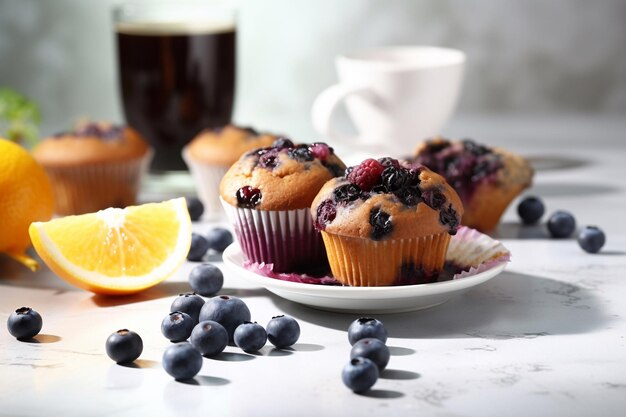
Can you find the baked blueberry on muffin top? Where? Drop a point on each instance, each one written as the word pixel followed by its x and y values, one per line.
pixel 283 176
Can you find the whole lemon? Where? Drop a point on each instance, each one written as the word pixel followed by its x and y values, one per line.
pixel 25 197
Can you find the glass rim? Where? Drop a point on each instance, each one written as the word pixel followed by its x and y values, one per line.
pixel 184 16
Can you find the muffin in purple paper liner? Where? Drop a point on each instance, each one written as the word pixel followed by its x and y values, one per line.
pixel 267 196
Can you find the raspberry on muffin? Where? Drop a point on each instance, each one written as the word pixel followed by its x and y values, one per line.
pixel 267 195
pixel 487 179
pixel 386 224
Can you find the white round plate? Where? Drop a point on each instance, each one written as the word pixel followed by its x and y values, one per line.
pixel 359 299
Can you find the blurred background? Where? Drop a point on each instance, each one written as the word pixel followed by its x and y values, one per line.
pixel 536 58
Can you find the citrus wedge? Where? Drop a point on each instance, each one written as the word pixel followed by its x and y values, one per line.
pixel 116 251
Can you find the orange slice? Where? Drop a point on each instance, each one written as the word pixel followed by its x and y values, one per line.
pixel 116 251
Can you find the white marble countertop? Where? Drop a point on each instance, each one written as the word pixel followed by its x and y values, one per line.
pixel 544 338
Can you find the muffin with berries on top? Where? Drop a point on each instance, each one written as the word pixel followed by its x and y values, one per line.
pixel 94 166
pixel 387 224
pixel 487 179
pixel 212 152
pixel 267 195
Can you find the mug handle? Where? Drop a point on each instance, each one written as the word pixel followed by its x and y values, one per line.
pixel 325 105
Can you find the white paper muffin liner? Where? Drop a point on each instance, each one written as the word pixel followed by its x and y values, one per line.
pixel 89 188
pixel 281 239
pixel 207 178
pixel 475 252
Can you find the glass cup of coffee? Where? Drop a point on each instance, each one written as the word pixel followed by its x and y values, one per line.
pixel 176 70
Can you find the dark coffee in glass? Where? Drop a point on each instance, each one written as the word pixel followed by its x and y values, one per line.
pixel 176 79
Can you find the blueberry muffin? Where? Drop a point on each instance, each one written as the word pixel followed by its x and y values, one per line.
pixel 93 167
pixel 267 195
pixel 487 179
pixel 386 224
pixel 212 152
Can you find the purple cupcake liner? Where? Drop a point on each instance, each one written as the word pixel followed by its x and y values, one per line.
pixel 283 240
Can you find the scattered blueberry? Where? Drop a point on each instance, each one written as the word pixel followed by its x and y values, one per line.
pixel 530 210
pixel 195 208
pixel 360 374
pixel 182 361
pixel 206 279
pixel 189 303
pixel 591 239
pixel 561 224
pixel 228 311
pixel 250 337
pixel 199 247
pixel 24 323
pixel 365 327
pixel 283 331
pixel 177 326
pixel 219 239
pixel 372 349
pixel 209 338
pixel 124 346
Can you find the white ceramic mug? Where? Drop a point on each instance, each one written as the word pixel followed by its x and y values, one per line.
pixel 395 96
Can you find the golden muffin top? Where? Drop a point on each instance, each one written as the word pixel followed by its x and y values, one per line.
pixel 383 199
pixel 91 143
pixel 285 176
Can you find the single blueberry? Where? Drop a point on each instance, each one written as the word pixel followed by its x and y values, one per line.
pixel 24 323
pixel 448 217
pixel 301 154
pixel 199 247
pixel 360 374
pixel 365 327
pixel 206 279
pixel 381 223
pixel 195 208
pixel 248 197
pixel 124 346
pixel 269 159
pixel 372 349
pixel 561 224
pixel 591 239
pixel 530 210
pixel 228 311
pixel 250 337
pixel 282 142
pixel 182 361
pixel 394 179
pixel 189 303
pixel 209 338
pixel 177 326
pixel 219 239
pixel 347 192
pixel 325 213
pixel 283 331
